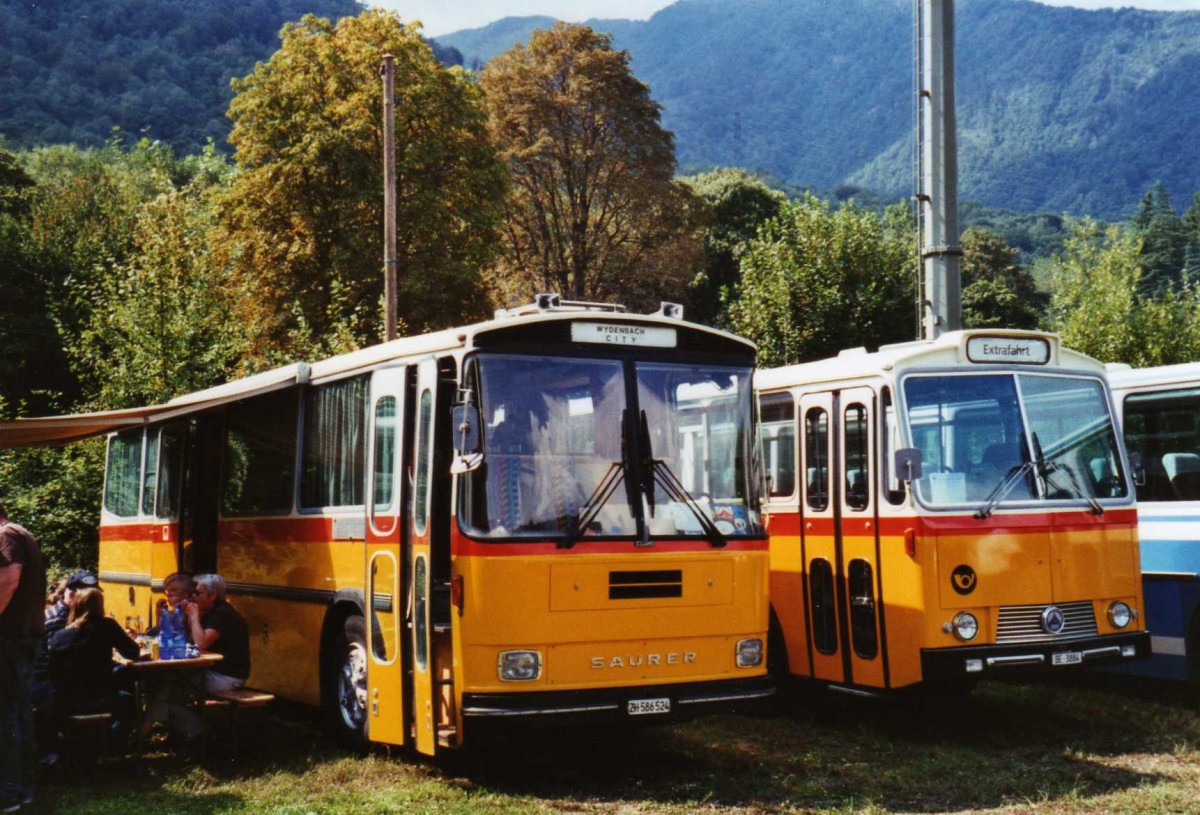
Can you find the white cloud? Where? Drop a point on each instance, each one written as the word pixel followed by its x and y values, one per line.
pixel 444 16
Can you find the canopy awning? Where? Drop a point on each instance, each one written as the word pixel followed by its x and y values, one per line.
pixel 48 431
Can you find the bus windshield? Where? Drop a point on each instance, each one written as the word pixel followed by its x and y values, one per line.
pixel 559 442
pixel 1002 438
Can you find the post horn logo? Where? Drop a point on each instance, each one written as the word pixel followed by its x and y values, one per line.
pixel 963 579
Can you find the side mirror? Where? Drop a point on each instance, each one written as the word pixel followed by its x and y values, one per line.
pixel 907 464
pixel 1137 464
pixel 466 439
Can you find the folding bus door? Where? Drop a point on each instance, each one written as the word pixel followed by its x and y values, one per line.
pixel 420 559
pixel 387 717
pixel 857 527
pixel 817 539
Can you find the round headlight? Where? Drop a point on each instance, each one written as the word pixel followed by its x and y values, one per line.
pixel 965 625
pixel 1120 615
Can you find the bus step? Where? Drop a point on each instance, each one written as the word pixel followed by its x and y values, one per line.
pixel 447 736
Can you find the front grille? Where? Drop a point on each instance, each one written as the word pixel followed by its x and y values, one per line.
pixel 643 585
pixel 1018 624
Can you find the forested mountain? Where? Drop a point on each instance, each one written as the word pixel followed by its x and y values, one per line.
pixel 71 70
pixel 1060 109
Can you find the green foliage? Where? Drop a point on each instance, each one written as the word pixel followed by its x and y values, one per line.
pixel 161 322
pixel 816 281
pixel 72 71
pixel 739 204
pixel 593 212
pixel 55 492
pixel 1100 307
pixel 301 226
pixel 996 291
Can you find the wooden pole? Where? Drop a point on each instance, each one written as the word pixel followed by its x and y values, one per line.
pixel 388 71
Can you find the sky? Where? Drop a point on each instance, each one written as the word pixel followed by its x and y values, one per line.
pixel 444 16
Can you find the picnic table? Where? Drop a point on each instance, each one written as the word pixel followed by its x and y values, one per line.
pixel 150 675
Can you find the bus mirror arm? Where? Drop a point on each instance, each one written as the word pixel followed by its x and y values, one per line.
pixel 908 464
pixel 466 439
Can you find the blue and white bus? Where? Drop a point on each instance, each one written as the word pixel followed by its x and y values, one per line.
pixel 1160 412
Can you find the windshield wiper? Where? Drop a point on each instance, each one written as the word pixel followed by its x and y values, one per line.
pixel 595 502
pixel 612 477
pixel 657 470
pixel 1045 468
pixel 1003 489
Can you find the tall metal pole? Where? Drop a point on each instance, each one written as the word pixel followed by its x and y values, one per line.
pixel 941 254
pixel 388 71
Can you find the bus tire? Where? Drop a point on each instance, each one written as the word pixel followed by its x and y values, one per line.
pixel 346 696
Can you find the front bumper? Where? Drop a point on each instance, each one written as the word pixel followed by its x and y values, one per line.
pixel 552 708
pixel 1004 660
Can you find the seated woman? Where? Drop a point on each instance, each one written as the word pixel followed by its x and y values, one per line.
pixel 81 660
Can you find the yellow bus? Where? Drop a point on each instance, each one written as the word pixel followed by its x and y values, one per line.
pixel 547 517
pixel 945 510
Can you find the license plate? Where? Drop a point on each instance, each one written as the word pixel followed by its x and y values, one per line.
pixel 645 707
pixel 1066 658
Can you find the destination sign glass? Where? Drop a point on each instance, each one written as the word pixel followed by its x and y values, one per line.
pixel 1016 350
pixel 623 334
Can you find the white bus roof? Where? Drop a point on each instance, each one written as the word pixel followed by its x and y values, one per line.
pixel 52 430
pixel 1122 377
pixel 950 350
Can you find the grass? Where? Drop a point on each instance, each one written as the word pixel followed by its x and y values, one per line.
pixel 1087 745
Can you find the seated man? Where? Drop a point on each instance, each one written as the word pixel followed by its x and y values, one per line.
pixel 214 625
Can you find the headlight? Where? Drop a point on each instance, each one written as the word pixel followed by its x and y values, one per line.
pixel 1120 615
pixel 749 653
pixel 519 666
pixel 965 626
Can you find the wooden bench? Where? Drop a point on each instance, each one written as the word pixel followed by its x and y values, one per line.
pixel 240 697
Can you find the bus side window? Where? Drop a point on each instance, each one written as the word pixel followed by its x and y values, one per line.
pixel 1163 428
pixel 816 458
pixel 124 474
pixel 777 430
pixel 259 464
pixel 889 433
pixel 858 475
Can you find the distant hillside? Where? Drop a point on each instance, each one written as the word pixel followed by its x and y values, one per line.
pixel 1060 109
pixel 71 70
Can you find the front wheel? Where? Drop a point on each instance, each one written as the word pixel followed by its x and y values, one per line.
pixel 346 703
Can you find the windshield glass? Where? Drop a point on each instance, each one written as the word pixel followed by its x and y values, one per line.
pixel 698 430
pixel 1012 438
pixel 556 432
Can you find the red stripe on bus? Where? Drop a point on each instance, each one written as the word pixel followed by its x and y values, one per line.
pixel 1072 520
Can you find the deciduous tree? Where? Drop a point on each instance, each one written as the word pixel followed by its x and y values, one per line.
pixel 739 204
pixel 302 225
pixel 816 280
pixel 594 212
pixel 997 292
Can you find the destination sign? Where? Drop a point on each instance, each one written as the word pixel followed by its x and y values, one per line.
pixel 618 334
pixel 1018 350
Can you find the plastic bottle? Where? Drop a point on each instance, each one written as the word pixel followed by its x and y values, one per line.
pixel 173 642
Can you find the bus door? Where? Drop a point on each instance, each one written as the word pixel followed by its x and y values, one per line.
pixel 857 528
pixel 387 717
pixel 818 542
pixel 420 560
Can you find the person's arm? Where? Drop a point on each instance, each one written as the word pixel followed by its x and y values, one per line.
pixel 121 641
pixel 10 576
pixel 204 638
